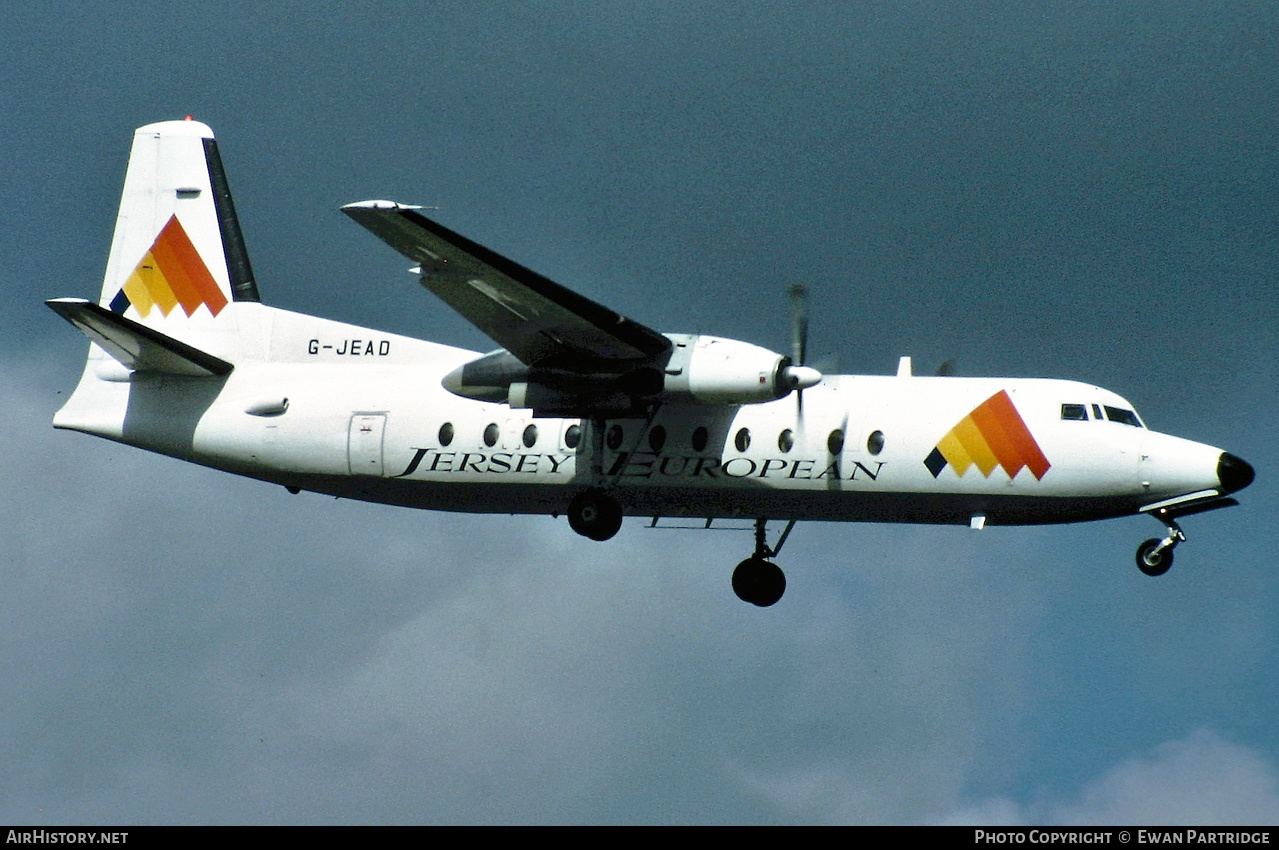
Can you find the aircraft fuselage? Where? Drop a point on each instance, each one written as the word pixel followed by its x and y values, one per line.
pixel 362 414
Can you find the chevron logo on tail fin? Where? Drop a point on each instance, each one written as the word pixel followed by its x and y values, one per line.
pixel 171 273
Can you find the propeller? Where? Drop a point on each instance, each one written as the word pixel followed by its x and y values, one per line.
pixel 797 376
pixel 798 323
pixel 833 482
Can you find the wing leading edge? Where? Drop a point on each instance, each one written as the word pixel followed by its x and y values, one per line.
pixel 543 324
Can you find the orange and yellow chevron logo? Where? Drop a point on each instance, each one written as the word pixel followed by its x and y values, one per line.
pixel 994 434
pixel 170 274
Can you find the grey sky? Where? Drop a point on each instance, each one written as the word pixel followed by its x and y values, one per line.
pixel 1083 190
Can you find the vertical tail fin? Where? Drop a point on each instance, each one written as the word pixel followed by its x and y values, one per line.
pixel 172 304
pixel 177 258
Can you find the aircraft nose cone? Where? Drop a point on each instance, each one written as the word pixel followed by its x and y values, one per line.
pixel 1234 472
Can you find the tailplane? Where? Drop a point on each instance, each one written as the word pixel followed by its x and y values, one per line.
pixel 135 346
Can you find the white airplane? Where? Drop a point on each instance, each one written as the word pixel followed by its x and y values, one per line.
pixel 581 411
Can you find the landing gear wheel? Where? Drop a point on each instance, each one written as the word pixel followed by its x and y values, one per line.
pixel 595 514
pixel 759 582
pixel 1149 562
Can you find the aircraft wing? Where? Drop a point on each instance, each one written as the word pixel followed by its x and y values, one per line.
pixel 536 319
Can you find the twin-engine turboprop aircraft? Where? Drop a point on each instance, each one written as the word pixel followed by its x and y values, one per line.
pixel 581 411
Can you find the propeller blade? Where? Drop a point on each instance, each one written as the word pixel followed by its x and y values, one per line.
pixel 797 377
pixel 834 483
pixel 798 323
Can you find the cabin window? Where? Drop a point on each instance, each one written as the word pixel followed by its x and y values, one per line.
pixel 573 436
pixel 491 434
pixel 835 442
pixel 530 436
pixel 1074 412
pixel 743 439
pixel 656 438
pixel 614 437
pixel 875 442
pixel 786 440
pixel 1123 417
pixel 699 439
pixel 446 433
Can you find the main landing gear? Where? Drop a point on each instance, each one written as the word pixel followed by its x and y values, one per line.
pixel 595 514
pixel 758 580
pixel 1154 556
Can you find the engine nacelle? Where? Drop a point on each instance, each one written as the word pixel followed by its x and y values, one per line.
pixel 700 370
pixel 713 370
pixel 552 401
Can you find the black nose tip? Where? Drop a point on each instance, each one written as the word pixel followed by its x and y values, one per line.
pixel 1234 473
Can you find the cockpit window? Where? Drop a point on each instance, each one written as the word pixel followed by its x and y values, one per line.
pixel 1076 412
pixel 1124 417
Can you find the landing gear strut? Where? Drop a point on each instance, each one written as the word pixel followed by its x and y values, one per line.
pixel 758 580
pixel 593 512
pixel 1154 556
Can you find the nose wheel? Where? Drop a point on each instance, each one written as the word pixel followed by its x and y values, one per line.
pixel 1154 557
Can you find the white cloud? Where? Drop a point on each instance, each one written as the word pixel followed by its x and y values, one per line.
pixel 1202 779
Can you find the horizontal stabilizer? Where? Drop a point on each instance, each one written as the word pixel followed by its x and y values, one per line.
pixel 137 346
pixel 536 319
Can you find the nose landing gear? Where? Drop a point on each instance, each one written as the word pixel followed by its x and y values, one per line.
pixel 1154 556
pixel 758 580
